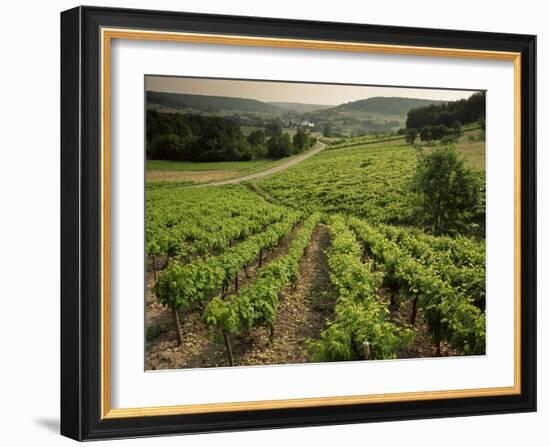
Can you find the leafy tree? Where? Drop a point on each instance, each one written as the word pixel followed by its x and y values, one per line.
pixel 259 151
pixel 301 140
pixel 465 111
pixel 274 128
pixel 285 145
pixel 244 151
pixel 169 147
pixel 410 136
pixel 327 130
pixel 191 137
pixel 279 146
pixel 257 138
pixel 448 191
pixel 438 132
pixel 426 133
pixel 456 129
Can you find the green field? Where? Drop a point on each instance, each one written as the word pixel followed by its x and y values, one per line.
pixel 188 172
pixel 239 166
pixel 471 145
pixel 369 181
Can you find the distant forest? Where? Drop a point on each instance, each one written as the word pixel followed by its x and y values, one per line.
pixel 462 111
pixel 192 137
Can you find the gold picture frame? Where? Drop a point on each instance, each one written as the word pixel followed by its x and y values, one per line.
pixel 106 31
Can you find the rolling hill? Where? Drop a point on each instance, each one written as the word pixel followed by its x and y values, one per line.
pixel 300 107
pixel 376 114
pixel 391 106
pixel 209 104
pixel 385 105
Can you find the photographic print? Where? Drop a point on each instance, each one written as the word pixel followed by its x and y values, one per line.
pixel 296 222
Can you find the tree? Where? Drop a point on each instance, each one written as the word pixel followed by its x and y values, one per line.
pixel 464 110
pixel 257 138
pixel 274 128
pixel 193 137
pixel 285 145
pixel 167 147
pixel 448 191
pixel 456 129
pixel 438 132
pixel 279 146
pixel 244 151
pixel 426 133
pixel 327 130
pixel 410 136
pixel 301 140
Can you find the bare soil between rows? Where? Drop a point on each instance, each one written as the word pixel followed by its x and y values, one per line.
pixel 302 314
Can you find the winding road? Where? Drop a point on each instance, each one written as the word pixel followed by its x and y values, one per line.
pixel 287 164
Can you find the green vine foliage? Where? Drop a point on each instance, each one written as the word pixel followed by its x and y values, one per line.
pixel 460 261
pixel 188 286
pixel 256 305
pixel 188 223
pixel 360 315
pixel 451 314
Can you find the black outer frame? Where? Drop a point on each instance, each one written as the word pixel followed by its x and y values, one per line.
pixel 81 208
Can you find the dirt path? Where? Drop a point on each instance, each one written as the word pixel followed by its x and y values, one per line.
pixel 318 148
pixel 302 314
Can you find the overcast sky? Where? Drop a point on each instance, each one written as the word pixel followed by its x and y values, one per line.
pixel 292 92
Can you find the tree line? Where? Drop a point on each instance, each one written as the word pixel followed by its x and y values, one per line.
pixel 193 137
pixel 464 111
pixel 439 121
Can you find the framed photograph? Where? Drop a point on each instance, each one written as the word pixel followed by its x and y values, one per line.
pixel 277 223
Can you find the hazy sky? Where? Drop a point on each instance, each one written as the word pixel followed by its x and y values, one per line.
pixel 291 92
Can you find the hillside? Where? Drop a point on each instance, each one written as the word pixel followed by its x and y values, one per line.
pixel 209 104
pixel 377 114
pixel 300 107
pixel 386 106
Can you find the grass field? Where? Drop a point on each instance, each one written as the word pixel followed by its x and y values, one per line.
pixel 196 172
pixel 167 165
pixel 204 172
pixel 472 146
